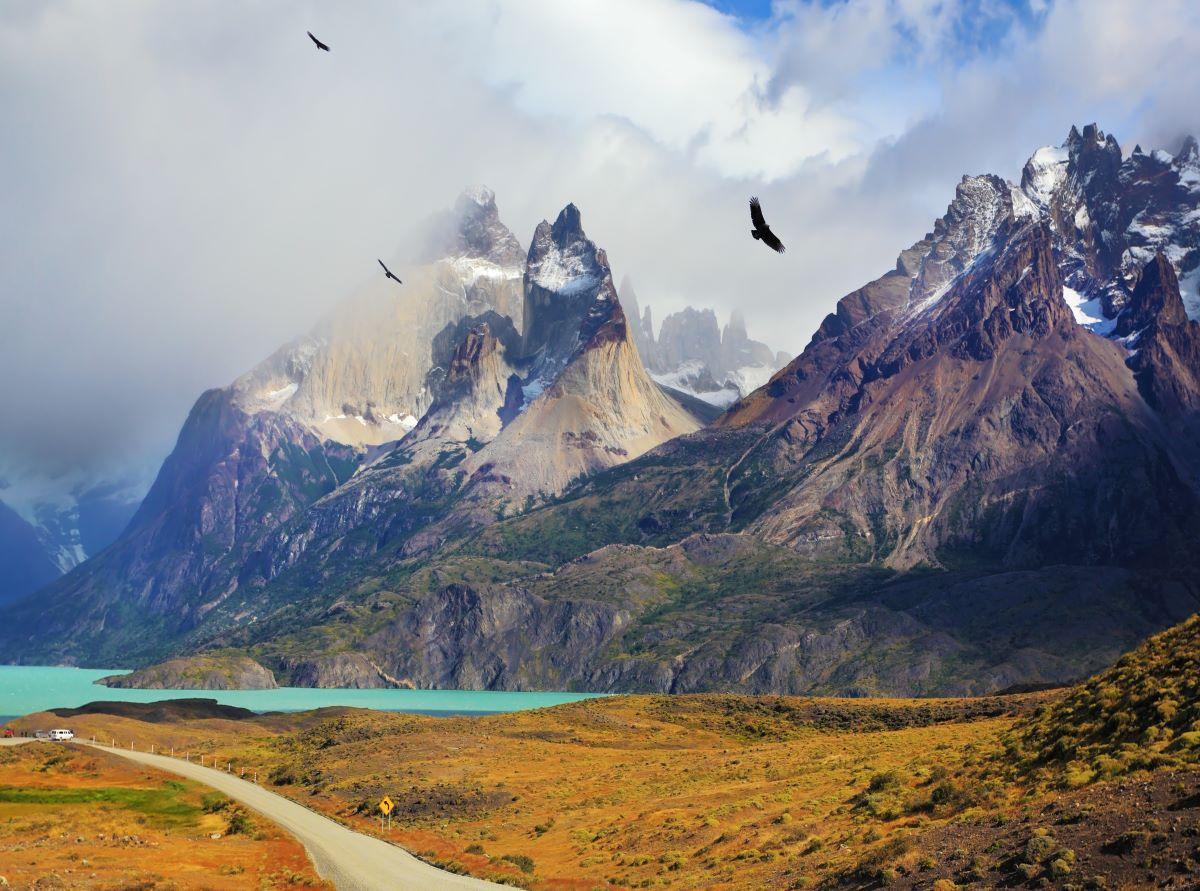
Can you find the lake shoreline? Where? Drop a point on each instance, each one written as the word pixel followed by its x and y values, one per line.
pixel 25 689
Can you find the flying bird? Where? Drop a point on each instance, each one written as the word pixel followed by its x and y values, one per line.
pixel 761 231
pixel 388 273
pixel 320 45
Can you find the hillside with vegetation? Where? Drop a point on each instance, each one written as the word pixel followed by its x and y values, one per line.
pixel 1095 786
pixel 1142 713
pixel 79 818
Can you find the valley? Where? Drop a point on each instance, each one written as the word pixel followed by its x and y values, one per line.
pixel 718 791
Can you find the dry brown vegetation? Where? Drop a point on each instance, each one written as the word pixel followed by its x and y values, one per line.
pixel 1094 787
pixel 640 791
pixel 80 818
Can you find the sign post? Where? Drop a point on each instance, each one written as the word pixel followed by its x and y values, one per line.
pixel 385 810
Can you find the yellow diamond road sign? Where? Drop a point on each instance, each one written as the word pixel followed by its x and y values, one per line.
pixel 386 805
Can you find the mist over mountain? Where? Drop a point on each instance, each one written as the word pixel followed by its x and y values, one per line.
pixel 323 421
pixel 147 261
pixel 691 354
pixel 982 471
pixel 54 525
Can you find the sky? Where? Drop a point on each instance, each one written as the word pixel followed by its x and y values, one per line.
pixel 188 185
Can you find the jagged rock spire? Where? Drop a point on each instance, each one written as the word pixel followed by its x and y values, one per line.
pixel 1155 298
pixel 569 294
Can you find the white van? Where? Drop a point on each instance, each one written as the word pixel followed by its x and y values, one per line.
pixel 61 734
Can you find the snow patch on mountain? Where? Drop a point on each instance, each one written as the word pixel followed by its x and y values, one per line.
pixel 1088 313
pixel 691 377
pixel 749 378
pixel 1044 173
pixel 407 422
pixel 686 377
pixel 470 270
pixel 564 273
pixel 1189 290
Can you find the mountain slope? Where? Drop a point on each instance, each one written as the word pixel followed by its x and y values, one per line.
pixel 982 471
pixel 24 564
pixel 953 414
pixel 987 422
pixel 253 455
pixel 515 422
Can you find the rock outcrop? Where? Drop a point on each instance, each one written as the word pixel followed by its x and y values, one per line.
pixel 252 456
pixel 201 672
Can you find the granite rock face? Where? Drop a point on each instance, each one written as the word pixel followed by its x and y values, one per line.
pixel 252 456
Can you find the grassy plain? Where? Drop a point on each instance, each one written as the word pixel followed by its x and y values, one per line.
pixel 639 791
pixel 79 818
pixel 1097 786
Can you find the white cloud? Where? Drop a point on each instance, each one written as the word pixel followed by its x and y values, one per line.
pixel 186 185
pixel 682 72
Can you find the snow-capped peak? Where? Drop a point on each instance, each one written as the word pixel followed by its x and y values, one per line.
pixel 1044 173
pixel 562 259
pixel 481 195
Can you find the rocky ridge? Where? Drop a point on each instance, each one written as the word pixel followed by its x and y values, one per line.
pixel 964 482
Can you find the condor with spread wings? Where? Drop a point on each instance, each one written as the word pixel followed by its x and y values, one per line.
pixel 761 231
pixel 320 46
pixel 389 273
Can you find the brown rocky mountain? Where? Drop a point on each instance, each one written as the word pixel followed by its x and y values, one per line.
pixel 958 486
pixel 253 455
pixel 987 422
pixel 982 471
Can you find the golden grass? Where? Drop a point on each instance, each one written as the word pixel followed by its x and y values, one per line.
pixel 81 818
pixel 640 791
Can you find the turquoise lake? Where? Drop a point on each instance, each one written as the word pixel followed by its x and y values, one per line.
pixel 27 688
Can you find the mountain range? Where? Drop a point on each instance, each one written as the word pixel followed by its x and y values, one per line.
pixel 981 472
pixel 693 355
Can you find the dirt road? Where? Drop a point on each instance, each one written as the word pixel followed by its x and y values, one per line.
pixel 352 861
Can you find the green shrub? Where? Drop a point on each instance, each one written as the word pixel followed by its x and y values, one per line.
pixel 239 822
pixel 1060 868
pixel 1038 848
pixel 520 861
pixel 214 802
pixel 1028 871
